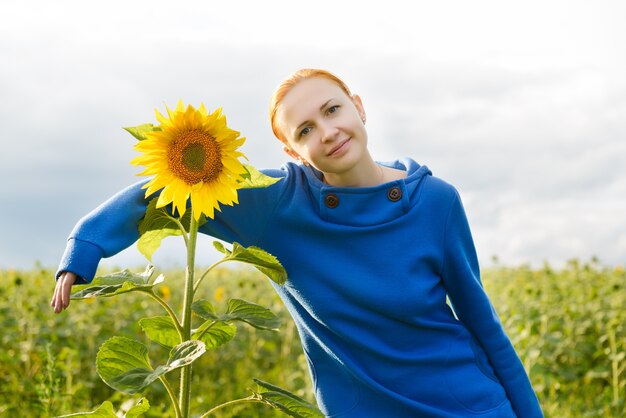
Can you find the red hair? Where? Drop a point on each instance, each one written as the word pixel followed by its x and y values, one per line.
pixel 286 86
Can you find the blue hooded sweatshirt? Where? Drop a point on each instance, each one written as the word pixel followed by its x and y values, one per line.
pixel 369 270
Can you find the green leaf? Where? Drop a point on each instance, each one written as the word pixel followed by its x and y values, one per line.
pixel 183 354
pixel 214 333
pixel 238 310
pixel 103 411
pixel 251 313
pixel 109 290
pixel 123 363
pixel 116 283
pixel 125 275
pixel 261 259
pixel 140 131
pixel 286 401
pixel 255 179
pixel 106 411
pixel 161 329
pixel 139 409
pixel 158 224
pixel 204 309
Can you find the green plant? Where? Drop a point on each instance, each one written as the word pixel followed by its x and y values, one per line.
pixel 124 363
pixel 569 328
pixel 193 157
pixel 560 321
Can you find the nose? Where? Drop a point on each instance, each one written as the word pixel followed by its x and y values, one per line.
pixel 329 132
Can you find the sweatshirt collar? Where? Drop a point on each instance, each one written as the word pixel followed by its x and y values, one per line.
pixel 366 206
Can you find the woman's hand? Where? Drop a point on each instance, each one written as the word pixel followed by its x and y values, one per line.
pixel 61 297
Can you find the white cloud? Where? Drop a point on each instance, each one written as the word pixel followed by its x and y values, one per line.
pixel 521 106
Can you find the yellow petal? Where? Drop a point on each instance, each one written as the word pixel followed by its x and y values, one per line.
pixel 210 188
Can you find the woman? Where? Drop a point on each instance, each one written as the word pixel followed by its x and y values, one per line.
pixel 372 250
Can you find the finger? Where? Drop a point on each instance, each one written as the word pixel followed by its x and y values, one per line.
pixel 61 298
pixel 58 306
pixel 54 293
pixel 66 288
pixel 55 297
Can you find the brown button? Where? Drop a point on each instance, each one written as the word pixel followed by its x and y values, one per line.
pixel 331 200
pixel 394 194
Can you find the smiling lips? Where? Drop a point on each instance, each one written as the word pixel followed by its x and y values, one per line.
pixel 338 148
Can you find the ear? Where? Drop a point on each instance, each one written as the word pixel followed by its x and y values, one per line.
pixel 359 106
pixel 291 152
pixel 294 155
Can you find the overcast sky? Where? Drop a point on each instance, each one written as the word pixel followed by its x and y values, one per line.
pixel 520 105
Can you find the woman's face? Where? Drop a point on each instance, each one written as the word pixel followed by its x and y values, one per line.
pixel 323 125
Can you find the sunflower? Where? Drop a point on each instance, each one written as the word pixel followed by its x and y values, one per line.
pixel 192 154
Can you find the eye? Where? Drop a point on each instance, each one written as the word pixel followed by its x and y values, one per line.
pixel 304 132
pixel 333 109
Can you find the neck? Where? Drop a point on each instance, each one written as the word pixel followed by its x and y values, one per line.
pixel 366 174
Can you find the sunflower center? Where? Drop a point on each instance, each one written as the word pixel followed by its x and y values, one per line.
pixel 195 156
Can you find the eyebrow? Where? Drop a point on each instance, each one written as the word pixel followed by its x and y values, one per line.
pixel 307 121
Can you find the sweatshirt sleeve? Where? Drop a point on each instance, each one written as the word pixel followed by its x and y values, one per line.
pixel 113 226
pixel 461 277
pixel 103 232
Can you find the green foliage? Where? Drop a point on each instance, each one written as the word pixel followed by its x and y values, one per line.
pixel 106 411
pixel 124 365
pixel 254 178
pixel 117 283
pixel 263 261
pixel 47 361
pixel 139 131
pixel 215 333
pixel 568 325
pixel 157 224
pixel 103 411
pixel 286 401
pixel 138 410
pixel 239 310
pixel 162 330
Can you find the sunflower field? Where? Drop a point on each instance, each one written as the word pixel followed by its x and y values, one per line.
pixel 568 326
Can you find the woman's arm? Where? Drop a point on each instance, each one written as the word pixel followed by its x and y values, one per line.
pixel 461 277
pixel 103 232
pixel 112 227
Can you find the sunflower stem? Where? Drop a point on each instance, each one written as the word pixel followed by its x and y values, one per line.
pixel 207 271
pixel 182 229
pixel 185 375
